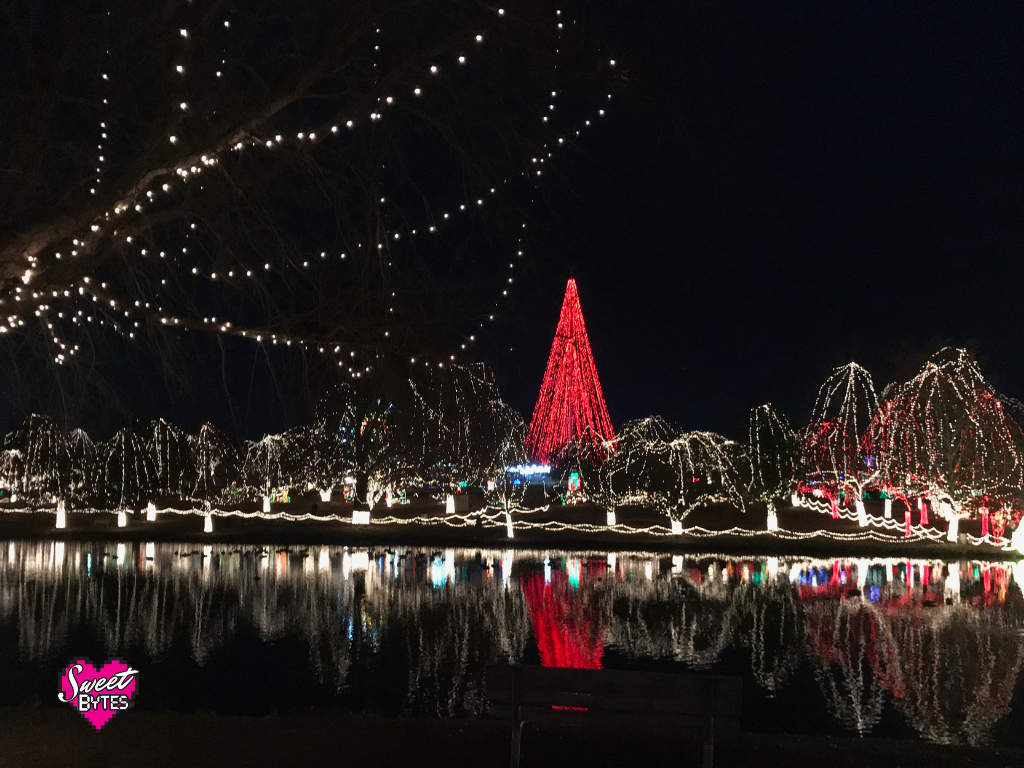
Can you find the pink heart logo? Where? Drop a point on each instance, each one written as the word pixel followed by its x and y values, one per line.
pixel 98 694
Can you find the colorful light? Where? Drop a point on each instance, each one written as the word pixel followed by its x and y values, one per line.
pixel 945 437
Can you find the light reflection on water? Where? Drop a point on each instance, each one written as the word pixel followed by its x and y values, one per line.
pixel 931 647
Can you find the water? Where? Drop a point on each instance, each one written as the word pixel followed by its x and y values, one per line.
pixel 895 648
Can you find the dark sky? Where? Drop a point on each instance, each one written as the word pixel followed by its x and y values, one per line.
pixel 815 183
pixel 782 187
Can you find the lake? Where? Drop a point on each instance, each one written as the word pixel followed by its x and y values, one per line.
pixel 900 648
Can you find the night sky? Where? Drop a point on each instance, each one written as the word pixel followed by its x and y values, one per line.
pixel 779 188
pixel 797 185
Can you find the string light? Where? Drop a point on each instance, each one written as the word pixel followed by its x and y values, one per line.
pixel 111 222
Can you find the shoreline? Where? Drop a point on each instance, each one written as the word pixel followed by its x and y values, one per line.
pixel 426 524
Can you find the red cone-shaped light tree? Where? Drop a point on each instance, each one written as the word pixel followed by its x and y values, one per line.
pixel 570 406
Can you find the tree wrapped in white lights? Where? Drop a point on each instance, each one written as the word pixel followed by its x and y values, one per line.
pixel 834 462
pixel 262 466
pixel 373 449
pixel 45 463
pixel 313 458
pixel 945 436
pixel 216 463
pixel 172 460
pixel 671 471
pixel 643 471
pixel 128 471
pixel 435 427
pixel 85 473
pixel 461 430
pixel 12 470
pixel 711 468
pixel 773 453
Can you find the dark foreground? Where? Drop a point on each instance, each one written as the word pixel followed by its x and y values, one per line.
pixel 59 737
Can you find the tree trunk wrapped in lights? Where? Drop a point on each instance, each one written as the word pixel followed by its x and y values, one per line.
pixel 946 436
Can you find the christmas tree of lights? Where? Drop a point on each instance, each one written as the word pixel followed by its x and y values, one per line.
pixel 570 404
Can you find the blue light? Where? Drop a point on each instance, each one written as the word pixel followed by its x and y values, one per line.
pixel 529 469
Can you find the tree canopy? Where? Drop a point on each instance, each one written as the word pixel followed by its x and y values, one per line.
pixel 340 180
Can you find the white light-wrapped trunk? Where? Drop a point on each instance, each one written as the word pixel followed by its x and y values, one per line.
pixel 862 515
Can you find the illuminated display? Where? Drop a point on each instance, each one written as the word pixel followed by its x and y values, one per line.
pixel 570 406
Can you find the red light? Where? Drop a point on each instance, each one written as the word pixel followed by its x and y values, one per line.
pixel 568 624
pixel 570 404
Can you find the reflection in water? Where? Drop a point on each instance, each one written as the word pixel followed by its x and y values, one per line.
pixel 937 645
pixel 566 616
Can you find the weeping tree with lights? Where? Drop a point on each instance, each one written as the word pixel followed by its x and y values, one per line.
pixel 510 451
pixel 172 460
pixel 12 470
pixel 440 427
pixel 671 471
pixel 833 456
pixel 945 436
pixel 772 452
pixel 372 446
pixel 45 464
pixel 84 473
pixel 463 433
pixel 128 471
pixel 216 462
pixel 323 180
pixel 262 467
pixel 312 459
pixel 643 471
pixel 712 469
